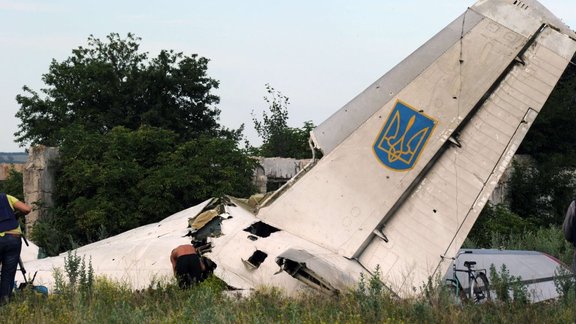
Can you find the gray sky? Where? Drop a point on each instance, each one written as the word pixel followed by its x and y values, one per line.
pixel 318 53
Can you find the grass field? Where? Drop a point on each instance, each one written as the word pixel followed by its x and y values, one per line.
pixel 83 298
pixel 106 302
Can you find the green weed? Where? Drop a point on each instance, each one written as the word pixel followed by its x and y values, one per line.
pixel 508 288
pixel 209 302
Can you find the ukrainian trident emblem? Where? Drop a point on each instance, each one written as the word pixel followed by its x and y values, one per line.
pixel 403 137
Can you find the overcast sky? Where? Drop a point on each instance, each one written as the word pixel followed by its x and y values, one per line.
pixel 318 53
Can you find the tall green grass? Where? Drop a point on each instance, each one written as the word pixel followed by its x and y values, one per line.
pixel 83 298
pixel 370 302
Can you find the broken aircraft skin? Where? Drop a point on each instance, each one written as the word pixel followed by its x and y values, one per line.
pixel 408 165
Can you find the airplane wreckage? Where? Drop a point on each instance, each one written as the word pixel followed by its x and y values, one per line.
pixel 407 167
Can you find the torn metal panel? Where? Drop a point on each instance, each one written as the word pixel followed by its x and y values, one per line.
pixel 136 258
pixel 240 251
pixel 203 218
pixel 314 271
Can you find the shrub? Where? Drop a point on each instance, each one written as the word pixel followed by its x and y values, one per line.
pixel 508 288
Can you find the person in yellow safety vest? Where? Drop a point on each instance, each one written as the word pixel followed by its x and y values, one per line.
pixel 10 242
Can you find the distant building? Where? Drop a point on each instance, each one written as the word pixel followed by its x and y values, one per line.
pixel 9 161
pixel 272 173
pixel 14 158
pixel 6 167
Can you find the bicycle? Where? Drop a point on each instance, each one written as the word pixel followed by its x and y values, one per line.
pixel 478 288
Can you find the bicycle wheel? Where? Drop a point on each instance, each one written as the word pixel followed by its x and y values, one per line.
pixel 481 288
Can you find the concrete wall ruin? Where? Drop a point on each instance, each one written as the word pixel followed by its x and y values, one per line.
pixel 272 173
pixel 39 181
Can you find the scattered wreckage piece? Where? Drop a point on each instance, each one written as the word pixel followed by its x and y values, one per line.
pixel 537 272
pixel 137 258
pixel 260 257
pixel 251 254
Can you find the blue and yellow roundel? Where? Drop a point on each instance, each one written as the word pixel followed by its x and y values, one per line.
pixel 403 137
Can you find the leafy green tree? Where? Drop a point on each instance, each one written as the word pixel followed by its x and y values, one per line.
pixel 541 192
pixel 110 183
pixel 193 172
pixel 280 140
pixel 524 190
pixel 139 140
pixel 497 221
pixel 111 83
pixel 552 135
